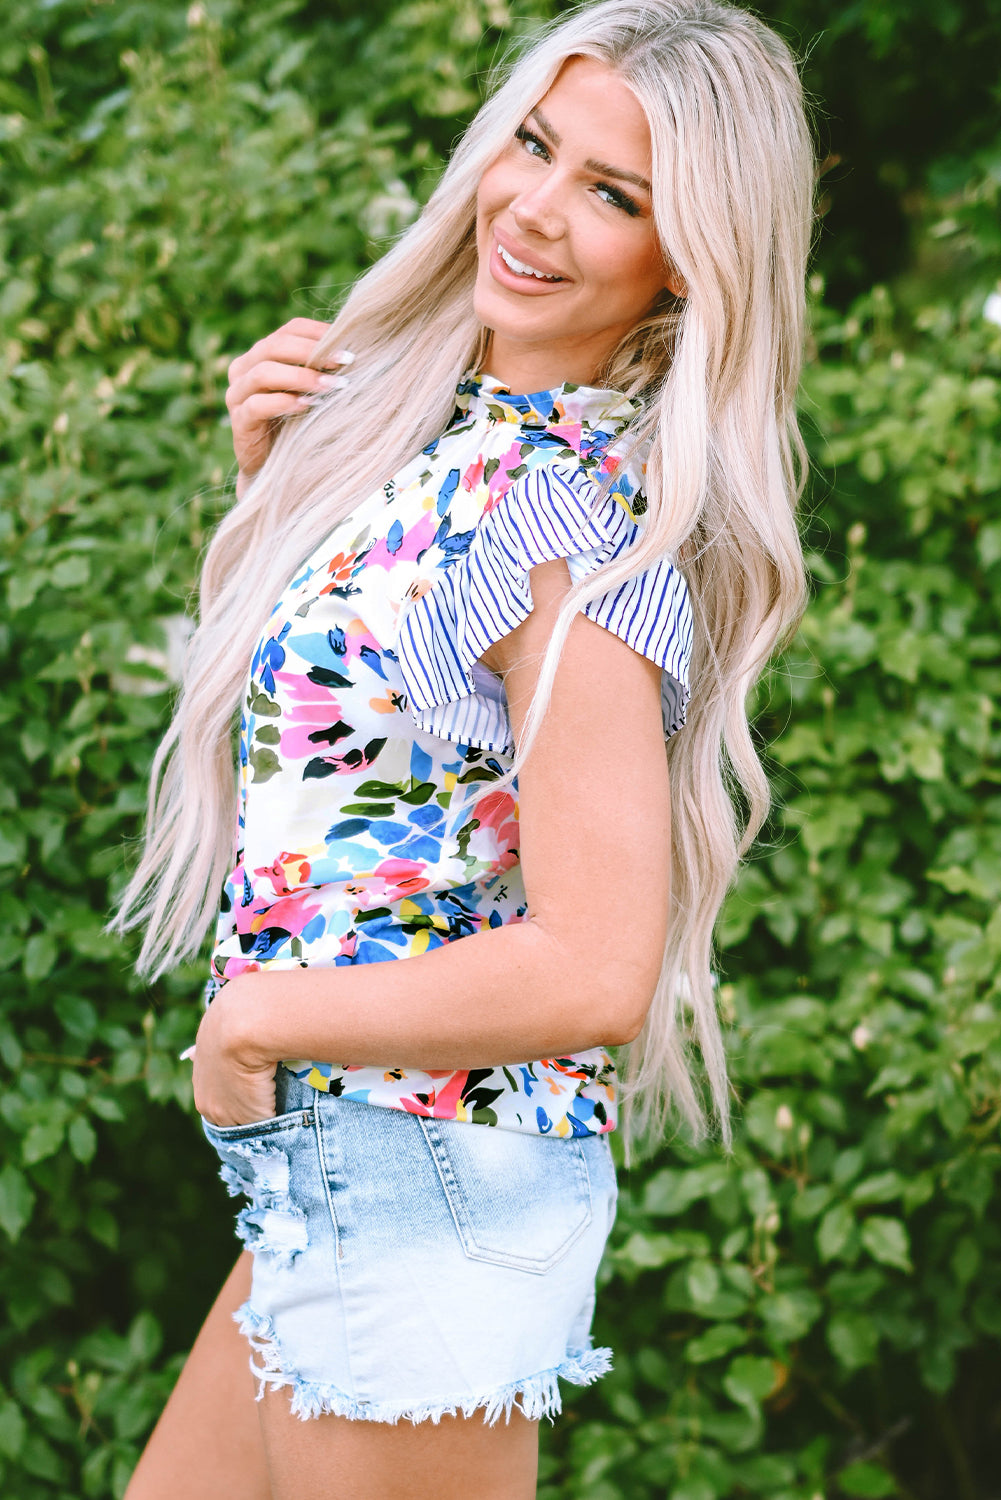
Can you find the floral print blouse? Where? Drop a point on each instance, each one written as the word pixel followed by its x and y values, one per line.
pixel 368 714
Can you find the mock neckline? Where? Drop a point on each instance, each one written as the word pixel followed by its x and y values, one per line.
pixel 564 410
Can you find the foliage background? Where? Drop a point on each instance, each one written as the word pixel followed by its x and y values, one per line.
pixel 819 1316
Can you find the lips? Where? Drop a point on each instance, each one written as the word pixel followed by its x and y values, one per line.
pixel 522 272
pixel 524 268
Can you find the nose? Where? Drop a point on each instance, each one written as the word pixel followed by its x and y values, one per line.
pixel 540 209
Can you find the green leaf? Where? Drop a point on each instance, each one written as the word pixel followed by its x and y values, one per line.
pixel 790 1315
pixel 651 1251
pixel 886 1241
pixel 13 1429
pixel 145 1338
pixel 702 1279
pixel 43 1139
pixel 103 1226
pixel 82 1139
pixel 106 1107
pixel 853 1339
pixel 17 1199
pixel 865 1479
pixel 835 1230
pixel 716 1342
pixel 750 1379
pixel 40 954
pixel 881 1188
pixel 694 1489
pixel 71 572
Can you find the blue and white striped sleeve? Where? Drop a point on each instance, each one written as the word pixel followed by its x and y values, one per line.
pixel 552 511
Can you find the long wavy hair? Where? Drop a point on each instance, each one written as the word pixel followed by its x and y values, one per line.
pixel 717 371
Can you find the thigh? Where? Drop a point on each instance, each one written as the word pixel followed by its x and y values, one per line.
pixel 208 1442
pixel 358 1460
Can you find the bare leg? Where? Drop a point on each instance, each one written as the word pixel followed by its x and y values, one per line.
pixel 207 1442
pixel 354 1460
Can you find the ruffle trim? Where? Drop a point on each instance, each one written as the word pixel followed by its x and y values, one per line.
pixel 536 1396
pixel 553 511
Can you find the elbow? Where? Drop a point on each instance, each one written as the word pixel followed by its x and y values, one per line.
pixel 628 1029
pixel 628 1022
pixel 620 997
pixel 603 998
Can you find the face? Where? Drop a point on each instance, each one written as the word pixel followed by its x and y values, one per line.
pixel 569 258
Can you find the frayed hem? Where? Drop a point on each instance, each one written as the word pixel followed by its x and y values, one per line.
pixel 536 1396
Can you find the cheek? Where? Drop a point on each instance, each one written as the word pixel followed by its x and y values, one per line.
pixel 491 193
pixel 630 266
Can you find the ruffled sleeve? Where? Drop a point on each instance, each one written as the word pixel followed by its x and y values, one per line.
pixel 553 511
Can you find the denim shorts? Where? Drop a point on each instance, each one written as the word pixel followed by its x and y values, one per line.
pixel 411 1268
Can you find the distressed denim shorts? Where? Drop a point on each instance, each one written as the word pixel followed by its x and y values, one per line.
pixel 410 1267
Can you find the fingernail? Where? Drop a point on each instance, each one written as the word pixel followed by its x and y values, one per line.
pixel 342 357
pixel 186 1055
pixel 332 382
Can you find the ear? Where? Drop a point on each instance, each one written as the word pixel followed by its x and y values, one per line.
pixel 675 283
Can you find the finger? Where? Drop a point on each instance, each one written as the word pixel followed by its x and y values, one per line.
pixel 257 411
pixel 272 376
pixel 312 328
pixel 313 331
pixel 286 349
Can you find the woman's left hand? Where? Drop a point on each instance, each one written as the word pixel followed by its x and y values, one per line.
pixel 232 1085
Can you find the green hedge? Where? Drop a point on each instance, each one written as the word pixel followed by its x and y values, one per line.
pixel 818 1316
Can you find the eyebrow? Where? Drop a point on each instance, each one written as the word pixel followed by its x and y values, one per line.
pixel 601 168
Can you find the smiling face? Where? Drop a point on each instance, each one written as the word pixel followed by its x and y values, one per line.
pixel 569 258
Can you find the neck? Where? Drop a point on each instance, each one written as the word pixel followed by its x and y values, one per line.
pixel 539 367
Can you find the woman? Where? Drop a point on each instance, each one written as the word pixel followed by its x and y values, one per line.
pixel 442 582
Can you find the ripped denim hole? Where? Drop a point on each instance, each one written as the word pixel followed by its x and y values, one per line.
pixel 271 1224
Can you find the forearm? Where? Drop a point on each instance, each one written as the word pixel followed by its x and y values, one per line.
pixel 505 994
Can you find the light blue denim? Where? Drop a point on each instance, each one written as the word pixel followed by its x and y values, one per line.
pixel 410 1268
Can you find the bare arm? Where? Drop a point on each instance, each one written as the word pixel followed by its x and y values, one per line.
pixel 579 972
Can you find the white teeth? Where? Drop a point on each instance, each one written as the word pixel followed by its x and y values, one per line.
pixel 520 269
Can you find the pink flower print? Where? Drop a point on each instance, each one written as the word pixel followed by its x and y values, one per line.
pixel 498 812
pixel 570 432
pixel 446 1099
pixel 291 914
pixel 473 476
pixel 287 872
pixel 358 641
pixel 401 546
pixel 233 967
pixel 310 709
pixel 441 1104
pixel 502 478
pixel 392 880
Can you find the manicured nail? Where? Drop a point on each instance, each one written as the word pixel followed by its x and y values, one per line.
pixel 332 382
pixel 342 357
pixel 187 1054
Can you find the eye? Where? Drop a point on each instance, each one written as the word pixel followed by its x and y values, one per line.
pixel 618 199
pixel 532 143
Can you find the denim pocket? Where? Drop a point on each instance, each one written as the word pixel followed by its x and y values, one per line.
pixel 256 1127
pixel 255 1161
pixel 516 1199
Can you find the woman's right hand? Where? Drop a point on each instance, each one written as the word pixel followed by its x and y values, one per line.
pixel 273 379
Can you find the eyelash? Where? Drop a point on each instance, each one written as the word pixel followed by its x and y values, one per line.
pixel 616 197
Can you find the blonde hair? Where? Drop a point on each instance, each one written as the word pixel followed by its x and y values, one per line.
pixel 717 371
